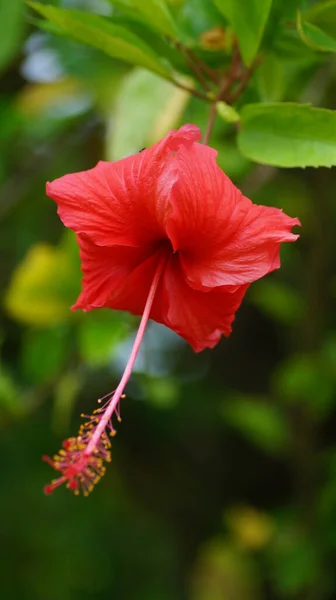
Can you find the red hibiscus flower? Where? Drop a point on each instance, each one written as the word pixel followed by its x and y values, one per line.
pixel 163 234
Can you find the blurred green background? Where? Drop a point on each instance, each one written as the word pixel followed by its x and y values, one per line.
pixel 223 480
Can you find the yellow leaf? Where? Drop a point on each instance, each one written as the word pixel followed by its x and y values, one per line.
pixel 251 528
pixel 42 287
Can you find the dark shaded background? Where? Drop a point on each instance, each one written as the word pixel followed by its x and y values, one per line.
pixel 223 480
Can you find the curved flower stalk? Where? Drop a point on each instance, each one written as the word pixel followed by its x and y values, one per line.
pixel 164 234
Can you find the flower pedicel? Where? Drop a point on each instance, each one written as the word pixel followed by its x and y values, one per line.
pixel 164 234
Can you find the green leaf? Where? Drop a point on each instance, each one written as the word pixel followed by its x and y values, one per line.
pixel 146 109
pixel 288 135
pixel 153 12
pixel 308 380
pixel 162 392
pixel 248 19
pixel 44 351
pixel 100 33
pixel 286 9
pixel 12 401
pixel 260 422
pixel 99 333
pixel 195 18
pixel 10 121
pixel 277 300
pixel 11 29
pixel 315 37
pixel 294 561
pixel 204 28
pixel 323 15
pixel 160 44
pixel 272 78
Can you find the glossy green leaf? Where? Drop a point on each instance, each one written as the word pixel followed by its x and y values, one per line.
pixel 288 135
pixel 154 12
pixel 248 19
pixel 11 29
pixel 102 34
pixel 315 37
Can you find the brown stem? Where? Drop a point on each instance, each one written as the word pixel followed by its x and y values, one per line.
pixel 245 78
pixel 212 74
pixel 211 121
pixel 192 91
pixel 199 68
pixel 222 93
pixel 195 67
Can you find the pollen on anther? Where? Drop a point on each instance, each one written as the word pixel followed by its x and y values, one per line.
pixel 80 470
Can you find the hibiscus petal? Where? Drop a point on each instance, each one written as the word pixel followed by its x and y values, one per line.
pixel 202 198
pixel 119 203
pixel 221 236
pixel 247 253
pixel 132 293
pixel 105 270
pixel 201 318
pixel 120 278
